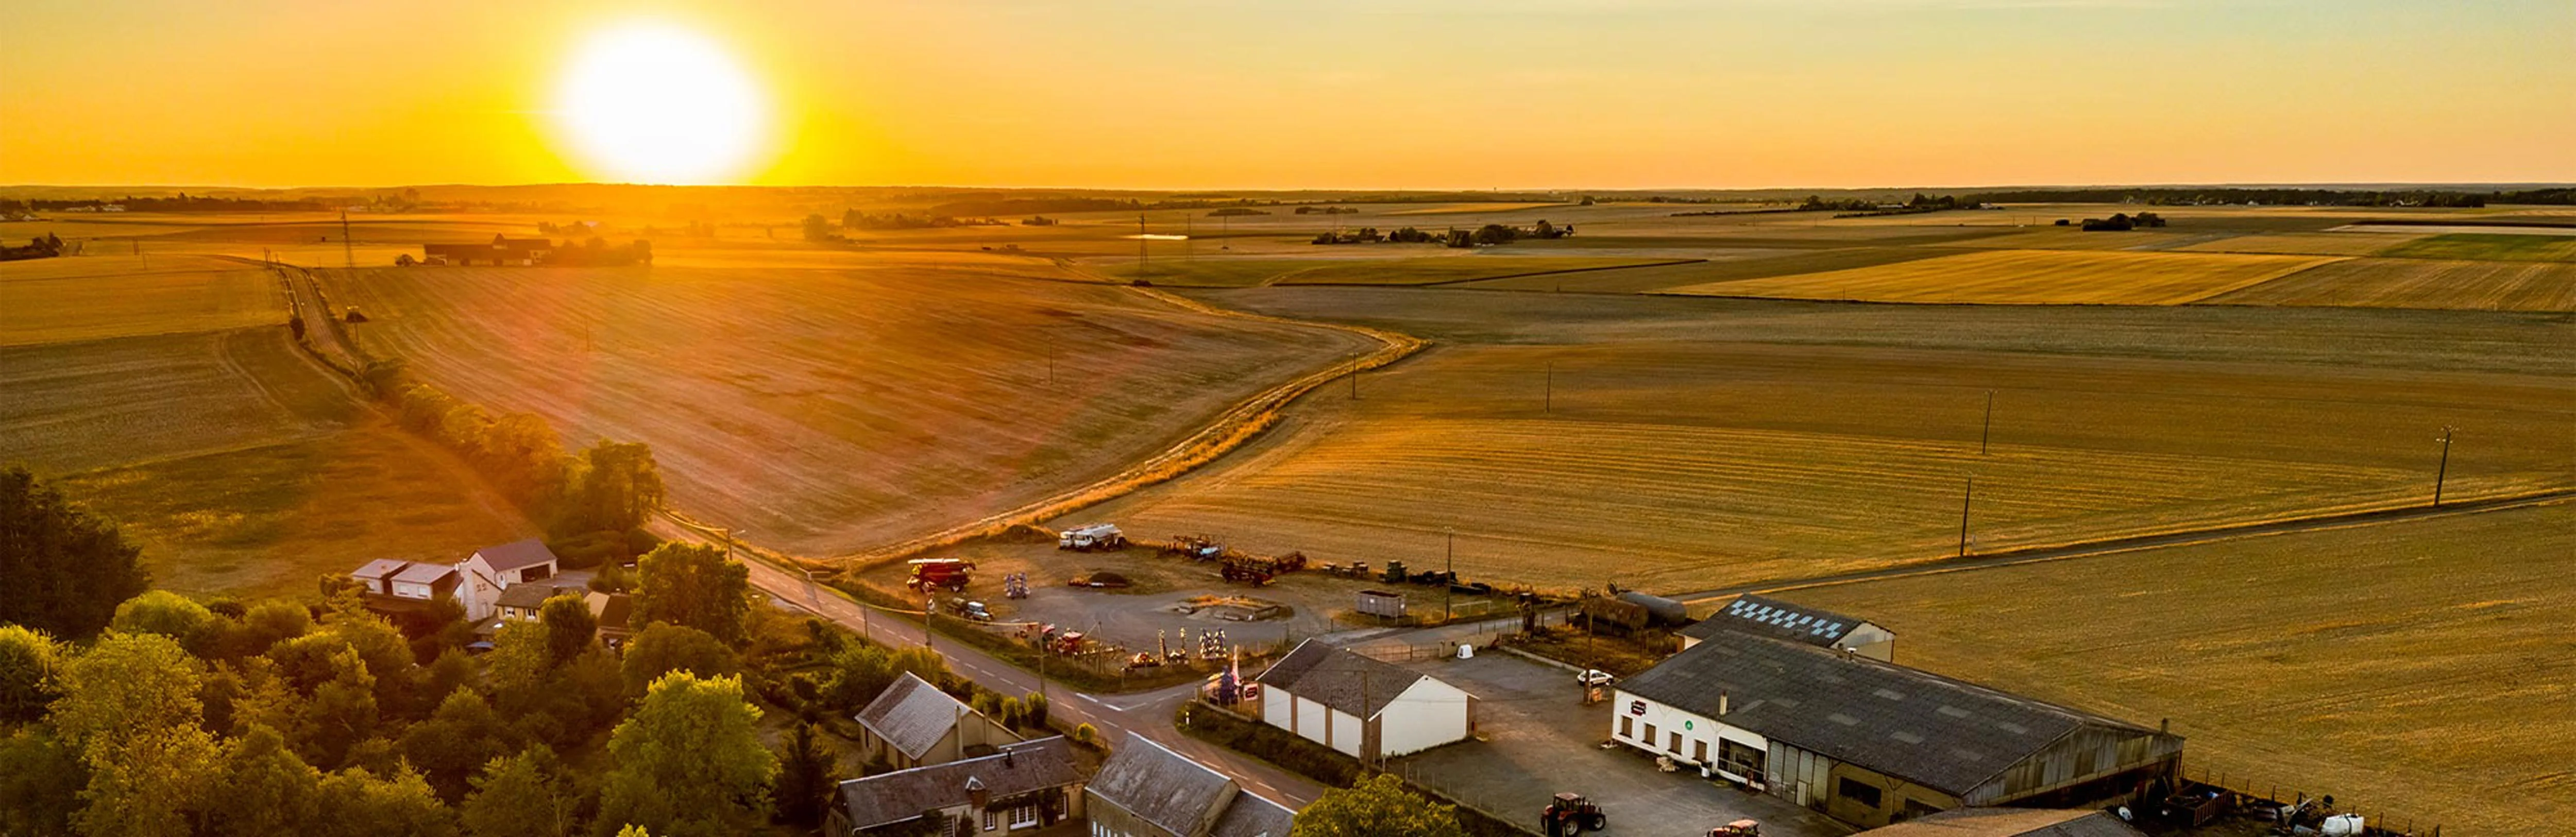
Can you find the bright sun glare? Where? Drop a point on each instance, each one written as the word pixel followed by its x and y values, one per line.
pixel 656 103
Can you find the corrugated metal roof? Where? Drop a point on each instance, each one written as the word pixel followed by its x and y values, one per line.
pixel 1778 619
pixel 1160 786
pixel 1943 733
pixel 2010 822
pixel 516 554
pixel 1325 673
pixel 912 715
pixel 904 794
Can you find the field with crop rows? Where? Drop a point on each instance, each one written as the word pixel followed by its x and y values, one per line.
pixel 828 410
pixel 2413 669
pixel 92 297
pixel 1696 446
pixel 2029 277
pixel 2489 247
pixel 2311 244
pixel 2419 283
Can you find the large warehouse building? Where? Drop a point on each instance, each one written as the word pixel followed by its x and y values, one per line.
pixel 1871 742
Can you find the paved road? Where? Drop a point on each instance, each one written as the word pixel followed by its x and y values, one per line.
pixel 1148 714
pixel 2116 546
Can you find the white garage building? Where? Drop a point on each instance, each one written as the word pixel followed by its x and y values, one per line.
pixel 1364 708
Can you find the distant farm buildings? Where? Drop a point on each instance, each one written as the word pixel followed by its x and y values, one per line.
pixel 1763 698
pixel 504 251
pixel 1784 621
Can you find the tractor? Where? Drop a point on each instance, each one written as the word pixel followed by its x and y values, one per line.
pixel 1569 814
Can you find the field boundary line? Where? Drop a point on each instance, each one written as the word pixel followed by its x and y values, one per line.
pixel 2133 543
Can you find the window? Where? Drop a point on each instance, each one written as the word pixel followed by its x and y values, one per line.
pixel 1700 752
pixel 1649 738
pixel 1857 791
pixel 1627 727
pixel 1676 747
pixel 988 819
pixel 1024 816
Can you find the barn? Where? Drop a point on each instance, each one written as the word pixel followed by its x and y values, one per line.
pixel 1872 742
pixel 1367 709
pixel 1781 620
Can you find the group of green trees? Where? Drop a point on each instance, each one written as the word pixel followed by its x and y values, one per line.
pixel 608 487
pixel 163 715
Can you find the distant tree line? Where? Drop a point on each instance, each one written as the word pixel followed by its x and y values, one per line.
pixel 608 487
pixel 1489 234
pixel 183 202
pixel 2273 197
pixel 45 247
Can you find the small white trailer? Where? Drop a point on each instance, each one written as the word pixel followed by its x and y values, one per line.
pixel 1091 536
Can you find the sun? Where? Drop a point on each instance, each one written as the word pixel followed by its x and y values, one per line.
pixel 658 103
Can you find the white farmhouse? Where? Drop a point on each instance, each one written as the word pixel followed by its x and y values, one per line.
pixel 1364 708
pixel 493 569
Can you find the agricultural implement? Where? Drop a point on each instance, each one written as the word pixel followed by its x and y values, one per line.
pixel 949 574
pixel 1255 570
pixel 1090 537
pixel 1195 547
pixel 1570 814
pixel 1738 828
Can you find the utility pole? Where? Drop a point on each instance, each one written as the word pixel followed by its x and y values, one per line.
pixel 2444 473
pixel 1140 245
pixel 1963 515
pixel 348 251
pixel 1449 568
pixel 1989 434
pixel 1355 385
pixel 1548 402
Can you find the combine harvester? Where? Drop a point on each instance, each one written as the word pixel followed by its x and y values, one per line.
pixel 949 574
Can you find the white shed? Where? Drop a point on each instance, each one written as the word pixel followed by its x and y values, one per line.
pixel 1361 707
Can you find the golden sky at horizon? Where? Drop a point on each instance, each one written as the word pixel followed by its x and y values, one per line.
pixel 1171 94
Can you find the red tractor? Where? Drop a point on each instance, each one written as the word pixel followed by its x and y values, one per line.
pixel 1570 814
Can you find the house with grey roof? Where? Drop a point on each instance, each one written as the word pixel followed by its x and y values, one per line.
pixel 1028 784
pixel 912 723
pixel 1364 708
pixel 1871 742
pixel 1146 790
pixel 2011 822
pixel 492 569
pixel 1795 623
pixel 396 588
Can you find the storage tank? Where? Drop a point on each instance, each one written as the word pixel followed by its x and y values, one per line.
pixel 1664 611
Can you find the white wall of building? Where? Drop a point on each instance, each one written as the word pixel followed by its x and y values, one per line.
pixel 1427 715
pixel 1310 718
pixel 1631 717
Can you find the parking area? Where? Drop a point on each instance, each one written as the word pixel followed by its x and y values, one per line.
pixel 1539 739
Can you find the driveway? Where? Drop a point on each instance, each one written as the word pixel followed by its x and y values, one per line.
pixel 1540 740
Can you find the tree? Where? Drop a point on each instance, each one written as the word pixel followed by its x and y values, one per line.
pixel 172 615
pixel 525 795
pixel 696 586
pixel 30 662
pixel 153 783
pixel 1377 806
pixel 269 623
pixel 664 648
pixel 40 783
pixel 264 788
pixel 356 803
pixel 460 738
pixel 342 711
pixel 818 228
pixel 689 761
pixel 620 484
pixel 1036 705
pixel 65 570
pixel 808 775
pixel 126 686
pixel 570 627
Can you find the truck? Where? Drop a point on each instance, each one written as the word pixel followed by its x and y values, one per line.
pixel 949 574
pixel 969 610
pixel 1091 536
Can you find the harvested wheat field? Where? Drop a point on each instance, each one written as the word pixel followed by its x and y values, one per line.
pixel 92 297
pixel 2029 277
pixel 1691 446
pixel 2489 247
pixel 826 411
pixel 2417 670
pixel 2418 283
pixel 2313 244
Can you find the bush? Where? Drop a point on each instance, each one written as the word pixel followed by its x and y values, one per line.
pixel 1036 706
pixel 1086 735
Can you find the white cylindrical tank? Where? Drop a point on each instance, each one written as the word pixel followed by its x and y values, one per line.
pixel 2341 825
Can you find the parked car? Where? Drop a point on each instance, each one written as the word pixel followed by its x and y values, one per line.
pixel 1593 677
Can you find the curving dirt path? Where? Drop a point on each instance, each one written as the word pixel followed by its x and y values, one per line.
pixel 1230 430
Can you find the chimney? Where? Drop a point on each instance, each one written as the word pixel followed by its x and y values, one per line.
pixel 975 793
pixel 2164 725
pixel 1722 703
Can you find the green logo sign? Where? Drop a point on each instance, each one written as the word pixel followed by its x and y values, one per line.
pixel 1687 724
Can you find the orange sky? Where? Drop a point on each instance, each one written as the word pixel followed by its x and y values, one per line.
pixel 1326 93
